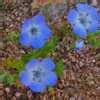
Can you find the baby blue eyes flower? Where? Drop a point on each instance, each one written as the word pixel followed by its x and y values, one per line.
pixel 79 45
pixel 83 19
pixel 38 75
pixel 35 32
pixel 99 19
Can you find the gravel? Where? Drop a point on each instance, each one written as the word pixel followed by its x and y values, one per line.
pixel 81 76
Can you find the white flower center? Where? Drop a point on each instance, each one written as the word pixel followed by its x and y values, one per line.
pixel 85 19
pixel 38 73
pixel 34 30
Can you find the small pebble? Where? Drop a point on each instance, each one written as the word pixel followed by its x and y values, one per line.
pixel 7 89
pixel 17 94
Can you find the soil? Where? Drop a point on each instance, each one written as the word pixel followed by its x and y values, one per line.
pixel 81 76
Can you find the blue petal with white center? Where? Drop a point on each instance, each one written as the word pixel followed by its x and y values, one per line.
pixel 72 15
pixel 49 62
pixel 24 78
pixel 84 19
pixel 31 63
pixel 99 18
pixel 93 11
pixel 35 32
pixel 82 7
pixel 25 39
pixel 51 79
pixel 26 25
pixel 39 74
pixel 37 87
pixel 80 31
pixel 79 45
pixel 38 42
pixel 46 31
pixel 94 26
pixel 38 19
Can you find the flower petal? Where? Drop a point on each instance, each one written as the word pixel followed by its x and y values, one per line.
pixel 25 39
pixel 45 31
pixel 24 78
pixel 38 42
pixel 26 25
pixel 93 12
pixel 38 19
pixel 79 44
pixel 82 7
pixel 48 64
pixel 89 9
pixel 93 26
pixel 80 31
pixel 99 20
pixel 30 65
pixel 37 87
pixel 51 79
pixel 72 15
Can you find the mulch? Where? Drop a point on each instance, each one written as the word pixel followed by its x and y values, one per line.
pixel 81 76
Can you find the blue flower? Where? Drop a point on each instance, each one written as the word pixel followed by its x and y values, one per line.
pixel 79 45
pixel 39 74
pixel 99 18
pixel 83 19
pixel 35 32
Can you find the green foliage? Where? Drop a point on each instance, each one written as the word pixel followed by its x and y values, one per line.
pixel 13 63
pixel 13 36
pixel 60 68
pixel 94 39
pixel 19 64
pixel 65 29
pixel 7 78
pixel 72 46
pixel 97 32
pixel 1 5
pixel 43 52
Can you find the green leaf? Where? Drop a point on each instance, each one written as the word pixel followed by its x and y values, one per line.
pixel 96 43
pixel 72 46
pixel 2 7
pixel 97 32
pixel 60 68
pixel 19 64
pixel 64 29
pixel 8 78
pixel 2 76
pixel 92 39
pixel 13 36
pixel 13 63
pixel 48 48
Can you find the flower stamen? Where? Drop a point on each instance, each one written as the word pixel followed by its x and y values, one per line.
pixel 33 30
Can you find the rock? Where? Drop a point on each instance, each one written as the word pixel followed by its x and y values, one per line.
pixel 72 98
pixel 2 45
pixel 18 94
pixel 1 93
pixel 1 85
pixel 7 89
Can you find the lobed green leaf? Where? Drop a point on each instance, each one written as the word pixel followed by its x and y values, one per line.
pixel 13 36
pixel 60 68
pixel 8 78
